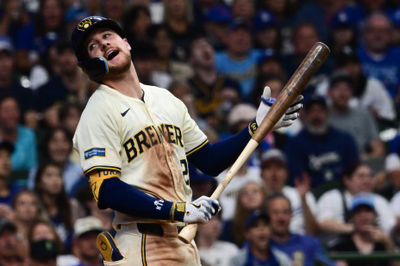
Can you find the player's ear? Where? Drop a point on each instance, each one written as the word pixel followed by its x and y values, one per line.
pixel 127 44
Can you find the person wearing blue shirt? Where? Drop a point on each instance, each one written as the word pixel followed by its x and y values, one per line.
pixel 302 249
pixel 24 157
pixel 239 60
pixel 318 149
pixel 379 59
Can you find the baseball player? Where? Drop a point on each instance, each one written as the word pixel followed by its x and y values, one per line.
pixel 135 142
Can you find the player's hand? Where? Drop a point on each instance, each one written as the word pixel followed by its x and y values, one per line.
pixel 199 211
pixel 287 119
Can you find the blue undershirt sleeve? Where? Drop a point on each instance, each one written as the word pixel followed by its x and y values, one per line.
pixel 122 197
pixel 212 159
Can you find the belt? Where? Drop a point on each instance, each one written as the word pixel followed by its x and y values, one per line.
pixel 151 228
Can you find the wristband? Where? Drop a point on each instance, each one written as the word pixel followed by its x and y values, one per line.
pixel 178 211
pixel 252 127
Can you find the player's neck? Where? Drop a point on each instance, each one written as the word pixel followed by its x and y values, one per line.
pixel 127 83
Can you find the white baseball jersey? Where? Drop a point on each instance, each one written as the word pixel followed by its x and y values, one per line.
pixel 146 140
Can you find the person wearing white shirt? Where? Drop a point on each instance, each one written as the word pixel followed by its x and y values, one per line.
pixel 274 172
pixel 333 205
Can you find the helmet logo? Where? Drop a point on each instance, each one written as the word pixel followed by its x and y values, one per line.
pixel 84 24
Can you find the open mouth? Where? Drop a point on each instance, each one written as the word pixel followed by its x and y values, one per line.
pixel 110 55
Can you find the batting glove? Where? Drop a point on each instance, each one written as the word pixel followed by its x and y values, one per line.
pixel 291 114
pixel 199 211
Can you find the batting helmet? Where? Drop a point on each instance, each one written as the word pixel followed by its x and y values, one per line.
pixel 87 26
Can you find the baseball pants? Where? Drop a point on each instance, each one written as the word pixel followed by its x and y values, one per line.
pixel 141 246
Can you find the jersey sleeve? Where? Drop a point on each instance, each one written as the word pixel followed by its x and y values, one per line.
pixel 97 140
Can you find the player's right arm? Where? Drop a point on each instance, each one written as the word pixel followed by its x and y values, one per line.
pixel 110 192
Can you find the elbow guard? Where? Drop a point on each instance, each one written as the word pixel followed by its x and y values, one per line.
pixel 97 178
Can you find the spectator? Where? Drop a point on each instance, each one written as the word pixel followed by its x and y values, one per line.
pixel 70 84
pixel 178 17
pixel 249 198
pixel 217 20
pixel 267 33
pixel 13 251
pixel 319 13
pixel 319 150
pixel 213 251
pixel 62 211
pixel 113 9
pixel 343 33
pixel 84 244
pixel 239 117
pixel 144 58
pixel 302 249
pixel 392 171
pixel 259 251
pixel 355 121
pixel 24 157
pixel 305 35
pixel 274 172
pixel 43 252
pixel 69 115
pixel 368 92
pixel 136 22
pixel 44 230
pixel 163 62
pixel 7 188
pixel 379 59
pixel 35 38
pixel 366 237
pixel 243 10
pixel 239 60
pixel 26 209
pixel 13 16
pixel 85 197
pixel 10 83
pixel 57 148
pixel 334 205
pixel 214 93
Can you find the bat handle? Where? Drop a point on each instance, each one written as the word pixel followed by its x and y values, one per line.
pixel 188 233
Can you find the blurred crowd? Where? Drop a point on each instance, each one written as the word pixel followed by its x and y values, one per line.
pixel 328 183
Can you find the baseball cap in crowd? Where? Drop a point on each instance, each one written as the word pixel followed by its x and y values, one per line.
pixel 363 199
pixel 6 45
pixel 343 19
pixel 8 146
pixel 254 218
pixel 87 225
pixel 219 14
pixel 6 224
pixel 238 24
pixel 44 250
pixel 340 77
pixel 314 99
pixel 263 19
pixel 273 156
pixel 392 162
pixel 394 17
pixel 240 113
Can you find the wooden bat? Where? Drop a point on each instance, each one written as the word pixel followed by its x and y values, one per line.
pixel 310 64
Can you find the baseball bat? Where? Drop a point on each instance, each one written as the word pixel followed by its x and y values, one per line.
pixel 298 81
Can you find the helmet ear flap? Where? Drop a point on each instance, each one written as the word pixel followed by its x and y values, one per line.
pixel 96 68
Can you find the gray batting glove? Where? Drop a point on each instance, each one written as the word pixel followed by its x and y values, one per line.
pixel 198 211
pixel 291 114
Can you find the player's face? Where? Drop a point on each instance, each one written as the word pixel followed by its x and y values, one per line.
pixel 108 44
